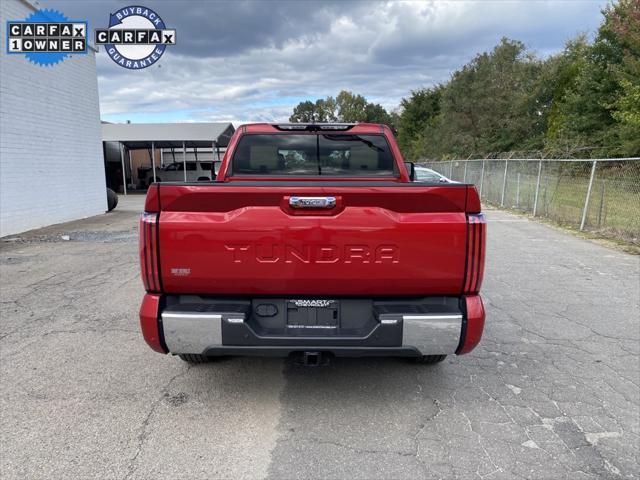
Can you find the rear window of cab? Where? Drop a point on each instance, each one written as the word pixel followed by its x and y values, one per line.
pixel 313 155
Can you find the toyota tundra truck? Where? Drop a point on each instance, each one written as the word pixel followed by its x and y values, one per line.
pixel 313 240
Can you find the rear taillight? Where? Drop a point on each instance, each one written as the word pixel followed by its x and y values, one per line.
pixel 476 241
pixel 473 325
pixel 149 258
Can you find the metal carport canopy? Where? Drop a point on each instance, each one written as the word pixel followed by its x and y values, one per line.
pixel 136 136
pixel 166 135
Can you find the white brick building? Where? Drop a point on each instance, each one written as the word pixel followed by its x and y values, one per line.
pixel 51 161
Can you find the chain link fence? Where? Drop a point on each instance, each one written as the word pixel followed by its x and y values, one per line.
pixel 598 195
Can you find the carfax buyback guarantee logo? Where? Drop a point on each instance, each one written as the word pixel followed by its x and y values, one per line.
pixel 136 38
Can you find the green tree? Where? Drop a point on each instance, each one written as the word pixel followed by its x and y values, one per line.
pixel 599 105
pixel 623 23
pixel 627 113
pixel 323 110
pixel 346 107
pixel 563 70
pixel 489 105
pixel 418 113
pixel 375 113
pixel 351 107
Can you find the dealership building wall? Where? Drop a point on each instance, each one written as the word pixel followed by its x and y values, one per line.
pixel 51 160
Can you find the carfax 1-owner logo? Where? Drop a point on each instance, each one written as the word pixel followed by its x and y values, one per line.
pixel 136 38
pixel 46 37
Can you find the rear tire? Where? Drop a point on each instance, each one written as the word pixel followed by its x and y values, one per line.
pixel 194 358
pixel 112 199
pixel 429 359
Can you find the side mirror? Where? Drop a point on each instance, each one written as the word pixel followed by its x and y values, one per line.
pixel 411 170
pixel 216 168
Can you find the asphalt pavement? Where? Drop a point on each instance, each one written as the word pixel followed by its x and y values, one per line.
pixel 552 392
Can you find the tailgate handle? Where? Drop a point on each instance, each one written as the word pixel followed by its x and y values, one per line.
pixel 312 202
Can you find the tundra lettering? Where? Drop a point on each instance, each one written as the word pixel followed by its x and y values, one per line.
pixel 272 253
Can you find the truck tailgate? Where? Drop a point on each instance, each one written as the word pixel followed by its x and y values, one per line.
pixel 393 239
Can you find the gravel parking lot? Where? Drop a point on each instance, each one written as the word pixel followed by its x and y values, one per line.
pixel 552 392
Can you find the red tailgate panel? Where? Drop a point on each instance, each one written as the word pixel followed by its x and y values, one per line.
pixel 360 250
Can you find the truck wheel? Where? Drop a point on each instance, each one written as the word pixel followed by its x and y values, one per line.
pixel 194 358
pixel 429 359
pixel 112 199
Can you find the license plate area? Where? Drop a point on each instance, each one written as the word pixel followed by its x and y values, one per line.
pixel 312 317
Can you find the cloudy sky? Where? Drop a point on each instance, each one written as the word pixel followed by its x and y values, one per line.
pixel 254 60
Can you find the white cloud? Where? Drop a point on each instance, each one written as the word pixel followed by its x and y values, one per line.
pixel 382 51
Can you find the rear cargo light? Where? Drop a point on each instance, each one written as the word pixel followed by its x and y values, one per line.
pixel 314 127
pixel 291 127
pixel 336 127
pixel 149 258
pixel 476 240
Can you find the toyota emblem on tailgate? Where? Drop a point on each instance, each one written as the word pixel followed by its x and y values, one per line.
pixel 312 202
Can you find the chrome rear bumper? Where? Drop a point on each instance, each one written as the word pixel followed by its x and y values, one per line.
pixel 432 334
pixel 202 332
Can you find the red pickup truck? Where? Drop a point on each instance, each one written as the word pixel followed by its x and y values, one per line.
pixel 313 240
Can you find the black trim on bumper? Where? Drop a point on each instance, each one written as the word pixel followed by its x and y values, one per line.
pixel 243 335
pixel 335 350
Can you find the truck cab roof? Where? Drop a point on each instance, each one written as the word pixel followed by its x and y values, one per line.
pixel 357 128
